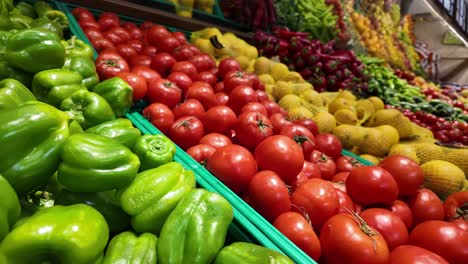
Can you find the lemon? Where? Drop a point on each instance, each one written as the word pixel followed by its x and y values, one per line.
pixel 279 70
pixel 266 79
pixel 443 177
pixel 263 65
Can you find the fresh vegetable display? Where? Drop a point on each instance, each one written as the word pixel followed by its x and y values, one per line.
pixel 257 14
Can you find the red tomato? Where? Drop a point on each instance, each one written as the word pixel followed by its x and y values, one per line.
pixel 341 177
pixel 227 65
pixel 389 225
pixel 328 144
pixel 346 239
pixel 110 64
pixel 92 33
pixel 216 140
pixel 346 164
pixel 426 205
pixel 196 51
pixel 339 186
pixel 208 77
pixel 241 96
pixel 408 254
pixel 164 91
pixel 180 37
pixel 126 51
pixel 254 107
pixel 295 227
pixel 89 24
pixel 401 209
pixel 156 34
pixel 309 124
pixel 326 165
pixel 168 44
pixel 443 238
pixel 108 20
pixel 345 203
pixel 187 68
pixel 234 165
pixel 186 131
pixel 201 153
pixel 371 185
pixel 101 44
pixel 279 121
pixel 182 53
pixel 137 45
pixel 160 116
pixel 80 12
pixel 407 173
pixel 269 195
pixel 262 95
pixel 221 98
pixel 151 51
pixel 319 200
pixel 219 87
pixel 203 92
pixel 234 79
pixel 117 35
pixel 254 80
pixel 145 72
pixel 140 60
pixel 252 128
pixel 271 107
pixel 147 25
pixel 191 107
pixel 219 119
pixel 135 33
pixel 456 206
pixel 302 136
pixel 182 80
pixel 460 222
pixel 162 63
pixel 281 155
pixel 309 171
pixel 128 25
pixel 137 83
pixel 203 62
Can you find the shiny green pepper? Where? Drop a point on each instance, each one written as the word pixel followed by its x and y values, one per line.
pixel 42 22
pixel 55 85
pixel 7 71
pixel 13 94
pixel 154 151
pixel 154 193
pixel 247 253
pixel 77 47
pixel 10 208
pixel 60 234
pixel 85 67
pixel 20 21
pixel 118 93
pixel 127 248
pixel 23 8
pixel 120 129
pixel 44 10
pixel 196 230
pixel 93 163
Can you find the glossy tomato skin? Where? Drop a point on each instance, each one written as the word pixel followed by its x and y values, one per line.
pixel 155 34
pixel 108 20
pixel 309 124
pixel 328 144
pixel 203 62
pixel 344 241
pixel 262 96
pixel 341 177
pixel 309 171
pixel 92 33
pixel 180 37
pixel 457 201
pixel 389 225
pixel 101 44
pixel 80 12
pixel 126 51
pixel 89 24
pixel 227 65
pixel 279 121
pixel 160 116
pixel 201 153
pixel 302 136
pixel 408 254
pixel 216 140
pixel 187 68
pixel 221 98
pixel 240 96
pixel 371 185
pixel 269 195
pixel 234 79
pixel 319 200
pixel 208 77
pixel 252 128
pixel 140 60
pixel 271 107
pixel 149 50
pixel 443 238
pixel 110 64
pixel 407 173
pixel 326 164
pixel 281 155
pixel 219 119
pixel 168 44
pixel 137 83
pixel 191 107
pixel 234 165
pixel 162 63
pixel 346 164
pixel 146 72
pixel 254 107
pixel 402 209
pixel 182 80
pixel 295 227
pixel 203 92
pixel 137 45
pixel 425 205
pixel 135 33
pixel 164 91
pixel 186 131
pixel 117 35
pixel 345 203
pixel 182 53
pixel 460 222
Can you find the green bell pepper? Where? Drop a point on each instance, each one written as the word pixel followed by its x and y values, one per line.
pixel 35 50
pixel 31 137
pixel 54 86
pixel 5 7
pixel 118 93
pixel 75 128
pixel 43 22
pixel 126 247
pixel 13 94
pixel 87 108
pixel 154 194
pixel 4 35
pixel 85 67
pixel 10 208
pixel 154 151
pixel 43 9
pixel 195 231
pixel 242 252
pixel 21 22
pixel 93 163
pixel 5 23
pixel 104 202
pixel 120 129
pixel 9 72
pixel 76 47
pixel 23 8
pixel 59 234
